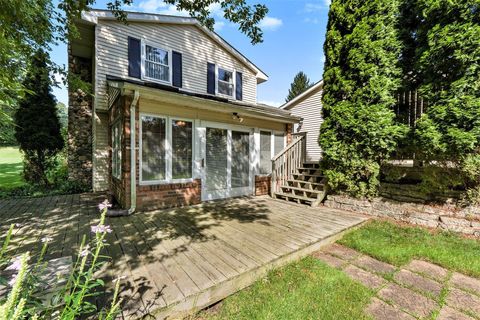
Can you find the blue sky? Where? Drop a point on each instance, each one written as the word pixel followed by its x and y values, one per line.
pixel 294 32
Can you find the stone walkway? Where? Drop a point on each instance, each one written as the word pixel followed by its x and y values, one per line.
pixel 417 290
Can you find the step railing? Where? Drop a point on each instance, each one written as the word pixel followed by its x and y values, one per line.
pixel 286 162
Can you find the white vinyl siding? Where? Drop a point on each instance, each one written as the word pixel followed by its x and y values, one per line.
pixel 101 157
pixel 310 109
pixel 196 47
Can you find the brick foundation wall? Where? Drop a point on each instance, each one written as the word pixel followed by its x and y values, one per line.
pixel 447 217
pixel 79 149
pixel 262 185
pixel 169 195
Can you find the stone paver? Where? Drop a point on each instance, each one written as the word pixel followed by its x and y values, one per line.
pixel 381 310
pixel 409 295
pixel 428 269
pixel 464 301
pixel 465 282
pixel 373 265
pixel 418 282
pixel 341 252
pixel 329 259
pixel 448 313
pixel 412 302
pixel 366 278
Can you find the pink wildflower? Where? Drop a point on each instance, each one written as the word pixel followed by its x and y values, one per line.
pixel 15 265
pixel 101 229
pixel 104 205
pixel 85 251
pixel 46 239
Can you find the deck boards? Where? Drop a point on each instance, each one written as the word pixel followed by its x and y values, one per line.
pixel 180 259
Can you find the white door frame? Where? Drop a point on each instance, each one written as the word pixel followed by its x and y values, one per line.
pixel 229 191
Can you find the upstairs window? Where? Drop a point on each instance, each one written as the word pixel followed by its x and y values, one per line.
pixel 225 82
pixel 157 63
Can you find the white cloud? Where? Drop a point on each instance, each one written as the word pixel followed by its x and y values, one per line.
pixel 313 7
pixel 218 25
pixel 270 23
pixel 159 6
pixel 272 103
pixel 312 20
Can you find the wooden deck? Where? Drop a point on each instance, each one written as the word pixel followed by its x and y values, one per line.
pixel 180 260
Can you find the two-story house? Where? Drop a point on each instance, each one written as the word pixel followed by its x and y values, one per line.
pixel 174 118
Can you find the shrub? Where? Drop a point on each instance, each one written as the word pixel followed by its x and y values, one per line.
pixel 362 74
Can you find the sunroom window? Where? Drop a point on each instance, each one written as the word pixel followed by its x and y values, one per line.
pixel 157 63
pixel 153 135
pixel 271 143
pixel 116 149
pixel 181 149
pixel 265 152
pixel 166 149
pixel 225 82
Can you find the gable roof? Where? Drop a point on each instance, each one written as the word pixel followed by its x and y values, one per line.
pixel 94 15
pixel 313 89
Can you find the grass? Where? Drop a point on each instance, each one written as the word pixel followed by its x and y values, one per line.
pixel 398 244
pixel 11 167
pixel 307 289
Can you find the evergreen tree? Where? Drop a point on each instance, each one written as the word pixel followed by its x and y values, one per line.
pixel 361 77
pixel 300 84
pixel 37 125
pixel 448 57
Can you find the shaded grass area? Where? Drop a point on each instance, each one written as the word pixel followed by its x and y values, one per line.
pixel 11 167
pixel 398 244
pixel 307 289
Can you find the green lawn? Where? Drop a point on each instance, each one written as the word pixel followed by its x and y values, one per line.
pixel 398 245
pixel 307 289
pixel 10 168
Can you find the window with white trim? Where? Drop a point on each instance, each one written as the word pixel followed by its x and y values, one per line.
pixel 271 143
pixel 116 149
pixel 265 152
pixel 166 149
pixel 157 64
pixel 153 148
pixel 225 83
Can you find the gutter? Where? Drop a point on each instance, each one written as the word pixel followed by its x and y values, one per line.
pixel 133 161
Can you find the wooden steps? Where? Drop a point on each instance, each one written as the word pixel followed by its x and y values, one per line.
pixel 308 186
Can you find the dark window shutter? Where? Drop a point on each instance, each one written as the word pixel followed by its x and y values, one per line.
pixel 177 69
pixel 211 78
pixel 238 86
pixel 134 57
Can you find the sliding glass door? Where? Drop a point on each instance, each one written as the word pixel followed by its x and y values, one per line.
pixel 227 163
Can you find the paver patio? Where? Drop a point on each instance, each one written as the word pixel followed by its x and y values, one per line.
pixel 184 258
pixel 413 291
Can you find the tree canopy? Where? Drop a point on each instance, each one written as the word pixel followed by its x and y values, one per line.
pixel 299 85
pixel 37 127
pixel 361 76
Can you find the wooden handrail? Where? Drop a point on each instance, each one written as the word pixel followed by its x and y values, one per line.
pixel 286 162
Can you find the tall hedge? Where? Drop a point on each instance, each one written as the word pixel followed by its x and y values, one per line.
pixel 448 59
pixel 361 76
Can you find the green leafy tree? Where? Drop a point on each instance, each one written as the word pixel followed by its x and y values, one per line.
pixel 37 127
pixel 300 84
pixel 448 59
pixel 362 75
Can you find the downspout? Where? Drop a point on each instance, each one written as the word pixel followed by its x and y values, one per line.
pixel 133 162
